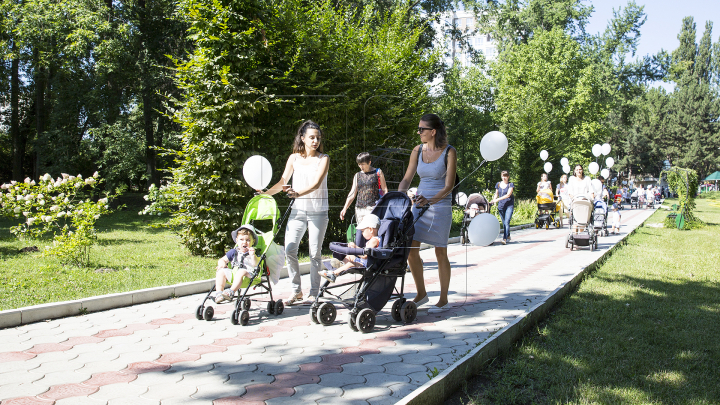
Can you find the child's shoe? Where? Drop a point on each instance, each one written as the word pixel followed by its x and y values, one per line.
pixel 331 277
pixel 225 296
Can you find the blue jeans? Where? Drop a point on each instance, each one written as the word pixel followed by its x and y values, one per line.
pixel 505 215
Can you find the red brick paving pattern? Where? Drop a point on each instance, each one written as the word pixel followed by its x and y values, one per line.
pixel 283 384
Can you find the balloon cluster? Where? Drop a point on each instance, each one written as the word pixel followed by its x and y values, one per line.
pixel 598 150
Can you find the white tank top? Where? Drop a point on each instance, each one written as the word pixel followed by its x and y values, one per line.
pixel 303 175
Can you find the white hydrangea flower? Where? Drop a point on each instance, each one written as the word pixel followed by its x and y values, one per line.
pixel 32 183
pixel 30 221
pixel 17 210
pixel 66 200
pixel 61 214
pixel 96 174
pixel 13 182
pixel 65 175
pixel 42 202
pixel 61 195
pixel 89 180
pixel 20 198
pixel 41 196
pixel 47 177
pixel 26 213
pixel 27 180
pixel 140 212
pixel 71 178
pixel 97 216
pixel 54 208
pixel 5 186
pixel 58 183
pixel 103 200
pixel 78 185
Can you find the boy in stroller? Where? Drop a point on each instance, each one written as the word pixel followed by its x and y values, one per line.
pixel 369 227
pixel 241 258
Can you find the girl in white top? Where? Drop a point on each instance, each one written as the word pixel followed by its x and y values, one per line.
pixel 580 186
pixel 308 167
pixel 562 193
pixel 543 184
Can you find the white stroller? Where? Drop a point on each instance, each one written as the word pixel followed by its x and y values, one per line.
pixel 582 232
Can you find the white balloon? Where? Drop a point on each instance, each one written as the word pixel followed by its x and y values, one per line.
pixel 483 229
pixel 605 149
pixel 257 172
pixel 605 173
pixel 548 167
pixel 564 162
pixel 566 169
pixel 597 186
pixel 543 154
pixel 593 167
pixel 493 145
pixel 462 198
pixel 596 150
pixel 609 162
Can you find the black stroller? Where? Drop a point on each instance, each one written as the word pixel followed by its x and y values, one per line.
pixel 482 206
pixel 369 293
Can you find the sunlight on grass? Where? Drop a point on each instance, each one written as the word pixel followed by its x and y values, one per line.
pixel 642 329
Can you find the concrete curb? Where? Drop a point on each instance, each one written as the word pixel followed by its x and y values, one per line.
pixel 438 389
pixel 20 316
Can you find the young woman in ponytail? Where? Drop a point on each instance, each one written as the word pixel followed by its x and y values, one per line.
pixel 308 167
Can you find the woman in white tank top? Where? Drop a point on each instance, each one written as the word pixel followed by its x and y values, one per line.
pixel 308 167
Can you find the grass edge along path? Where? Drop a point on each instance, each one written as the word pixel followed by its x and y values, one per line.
pixel 641 328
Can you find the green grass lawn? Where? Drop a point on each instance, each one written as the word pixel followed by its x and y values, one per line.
pixel 642 329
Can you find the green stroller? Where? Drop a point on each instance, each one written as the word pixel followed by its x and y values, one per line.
pixel 262 214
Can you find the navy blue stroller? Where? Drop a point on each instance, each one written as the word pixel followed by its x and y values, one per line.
pixel 377 284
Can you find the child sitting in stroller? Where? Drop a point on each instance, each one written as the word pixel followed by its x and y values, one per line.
pixel 369 227
pixel 241 259
pixel 472 211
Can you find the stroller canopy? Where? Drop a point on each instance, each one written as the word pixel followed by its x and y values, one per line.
pixel 480 200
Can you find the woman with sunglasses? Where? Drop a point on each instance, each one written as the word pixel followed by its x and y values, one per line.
pixel 308 167
pixel 435 162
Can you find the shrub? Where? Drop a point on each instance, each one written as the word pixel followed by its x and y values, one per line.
pixel 64 206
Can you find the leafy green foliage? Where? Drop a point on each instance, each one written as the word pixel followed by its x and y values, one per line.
pixel 548 97
pixel 61 206
pixel 334 61
pixel 683 182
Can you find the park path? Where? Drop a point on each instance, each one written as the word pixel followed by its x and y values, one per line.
pixel 158 353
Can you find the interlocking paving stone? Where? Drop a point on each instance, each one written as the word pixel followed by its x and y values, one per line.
pixel 141 353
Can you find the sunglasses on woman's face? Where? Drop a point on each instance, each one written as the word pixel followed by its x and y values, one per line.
pixel 420 130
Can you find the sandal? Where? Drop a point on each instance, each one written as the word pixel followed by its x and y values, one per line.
pixel 294 299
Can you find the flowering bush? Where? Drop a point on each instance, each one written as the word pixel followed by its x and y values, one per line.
pixel 62 206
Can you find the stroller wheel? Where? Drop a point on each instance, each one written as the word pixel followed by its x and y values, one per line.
pixel 199 313
pixel 279 307
pixel 365 321
pixel 397 305
pixel 234 317
pixel 244 317
pixel 408 311
pixel 208 314
pixel 351 320
pixel 326 313
pixel 271 307
pixel 547 225
pixel 313 315
pixel 246 304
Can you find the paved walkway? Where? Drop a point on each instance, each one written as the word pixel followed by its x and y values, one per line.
pixel 159 353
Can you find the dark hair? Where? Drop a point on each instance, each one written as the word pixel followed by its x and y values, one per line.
pixel 504 173
pixel 438 125
pixel 363 157
pixel 298 145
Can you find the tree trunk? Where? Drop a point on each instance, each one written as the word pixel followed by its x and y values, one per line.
pixel 150 155
pixel 39 110
pixel 17 142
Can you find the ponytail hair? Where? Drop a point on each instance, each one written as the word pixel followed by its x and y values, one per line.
pixel 299 145
pixel 438 125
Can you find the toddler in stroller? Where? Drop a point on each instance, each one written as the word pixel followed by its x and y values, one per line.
pixel 368 294
pixel 600 218
pixel 247 271
pixel 242 258
pixel 368 227
pixel 476 204
pixel 546 208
